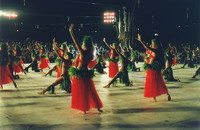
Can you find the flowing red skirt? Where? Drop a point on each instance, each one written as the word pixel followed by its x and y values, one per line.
pixel 113 69
pixel 84 94
pixel 17 68
pixel 92 64
pixel 5 75
pixel 154 85
pixel 44 63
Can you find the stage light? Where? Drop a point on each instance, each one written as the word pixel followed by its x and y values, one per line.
pixel 109 17
pixel 8 14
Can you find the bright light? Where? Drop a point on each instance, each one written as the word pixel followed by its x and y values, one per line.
pixel 8 14
pixel 156 34
pixel 109 17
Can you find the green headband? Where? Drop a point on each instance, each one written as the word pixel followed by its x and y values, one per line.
pixel 86 39
pixel 154 41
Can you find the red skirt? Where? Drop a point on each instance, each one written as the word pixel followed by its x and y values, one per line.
pixel 21 62
pixel 44 63
pixel 84 94
pixel 113 69
pixel 17 68
pixel 5 75
pixel 92 64
pixel 174 61
pixel 154 85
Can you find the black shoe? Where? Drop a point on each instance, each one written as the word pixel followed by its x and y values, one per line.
pixel 169 98
pixel 26 70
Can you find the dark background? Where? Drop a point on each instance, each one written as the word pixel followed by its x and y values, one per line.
pixel 176 21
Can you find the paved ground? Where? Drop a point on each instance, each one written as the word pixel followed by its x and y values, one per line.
pixel 124 107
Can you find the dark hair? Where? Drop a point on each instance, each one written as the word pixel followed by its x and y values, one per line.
pixel 87 43
pixel 160 53
pixel 3 54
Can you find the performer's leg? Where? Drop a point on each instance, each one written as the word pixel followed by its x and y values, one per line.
pixel 58 81
pixel 153 100
pixel 13 81
pixel 113 80
pixel 196 73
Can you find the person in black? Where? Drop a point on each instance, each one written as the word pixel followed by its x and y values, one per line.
pixel 188 59
pixel 35 58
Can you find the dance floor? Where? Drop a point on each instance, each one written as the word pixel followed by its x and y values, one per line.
pixel 124 107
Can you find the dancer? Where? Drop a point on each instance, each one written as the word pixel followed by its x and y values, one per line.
pixel 168 72
pixel 44 61
pixel 100 64
pixel 17 66
pixel 11 60
pixel 154 85
pixel 134 59
pixel 84 94
pixel 113 68
pixel 173 51
pixel 35 58
pixel 64 80
pixel 58 67
pixel 5 74
pixel 188 58
pixel 123 73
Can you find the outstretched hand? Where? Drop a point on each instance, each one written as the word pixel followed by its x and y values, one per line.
pixel 71 27
pixel 139 38
pixel 104 39
pixel 54 39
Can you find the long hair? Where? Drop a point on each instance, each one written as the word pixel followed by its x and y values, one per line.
pixel 88 45
pixel 160 53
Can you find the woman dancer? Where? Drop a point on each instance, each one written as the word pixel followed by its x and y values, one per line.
pixel 84 94
pixel 35 58
pixel 44 61
pixel 123 73
pixel 113 68
pixel 154 85
pixel 17 66
pixel 168 72
pixel 5 75
pixel 58 67
pixel 64 79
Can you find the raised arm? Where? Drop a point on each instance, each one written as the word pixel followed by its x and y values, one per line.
pixel 78 47
pixel 119 53
pixel 120 45
pixel 55 47
pixel 104 40
pixel 38 46
pixel 145 46
pixel 54 41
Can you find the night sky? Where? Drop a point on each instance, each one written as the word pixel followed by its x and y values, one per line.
pixel 176 21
